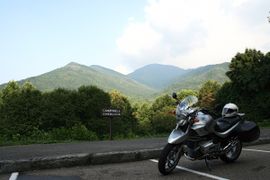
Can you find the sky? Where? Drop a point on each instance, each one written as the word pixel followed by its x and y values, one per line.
pixel 39 36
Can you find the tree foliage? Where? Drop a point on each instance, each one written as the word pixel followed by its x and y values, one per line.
pixel 25 111
pixel 250 84
pixel 127 123
pixel 19 112
pixel 207 94
pixel 160 117
pixel 58 109
pixel 90 102
pixel 143 113
pixel 245 70
pixel 186 92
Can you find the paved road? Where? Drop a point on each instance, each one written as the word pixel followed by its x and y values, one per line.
pixel 52 150
pixel 252 164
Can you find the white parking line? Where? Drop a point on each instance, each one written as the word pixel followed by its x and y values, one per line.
pixel 196 172
pixel 256 150
pixel 14 176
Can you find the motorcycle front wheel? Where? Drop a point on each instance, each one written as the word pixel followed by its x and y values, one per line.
pixel 169 158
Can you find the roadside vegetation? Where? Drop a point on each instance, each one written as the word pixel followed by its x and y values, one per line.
pixel 28 115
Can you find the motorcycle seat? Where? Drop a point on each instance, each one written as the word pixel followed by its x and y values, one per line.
pixel 223 123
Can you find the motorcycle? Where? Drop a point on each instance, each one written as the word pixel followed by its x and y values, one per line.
pixel 200 136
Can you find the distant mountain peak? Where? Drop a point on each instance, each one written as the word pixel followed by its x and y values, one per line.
pixel 75 66
pixel 156 65
pixel 156 76
pixel 72 64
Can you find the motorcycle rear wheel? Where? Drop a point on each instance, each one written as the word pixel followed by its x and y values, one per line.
pixel 169 158
pixel 234 153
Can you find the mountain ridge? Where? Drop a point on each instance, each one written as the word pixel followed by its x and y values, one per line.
pixel 196 77
pixel 156 75
pixel 144 82
pixel 74 75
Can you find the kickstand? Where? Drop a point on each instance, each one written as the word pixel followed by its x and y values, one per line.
pixel 207 164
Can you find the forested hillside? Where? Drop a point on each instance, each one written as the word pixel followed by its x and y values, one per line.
pixel 75 75
pixel 28 115
pixel 156 75
pixel 145 83
pixel 196 77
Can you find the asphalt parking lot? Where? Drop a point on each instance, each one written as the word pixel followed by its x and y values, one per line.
pixel 254 163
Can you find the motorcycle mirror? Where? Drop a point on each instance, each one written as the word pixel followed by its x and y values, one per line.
pixel 174 95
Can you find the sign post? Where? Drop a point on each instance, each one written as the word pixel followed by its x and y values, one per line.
pixel 111 113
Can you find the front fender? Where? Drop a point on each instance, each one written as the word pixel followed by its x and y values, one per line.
pixel 177 136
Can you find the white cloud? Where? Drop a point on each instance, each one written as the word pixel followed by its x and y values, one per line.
pixel 138 37
pixel 237 3
pixel 193 33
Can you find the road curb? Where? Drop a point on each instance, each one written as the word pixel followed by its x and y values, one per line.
pixel 8 166
pixel 124 156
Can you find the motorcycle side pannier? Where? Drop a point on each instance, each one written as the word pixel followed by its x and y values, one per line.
pixel 249 132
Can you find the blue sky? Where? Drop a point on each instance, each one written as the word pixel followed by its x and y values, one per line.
pixel 38 36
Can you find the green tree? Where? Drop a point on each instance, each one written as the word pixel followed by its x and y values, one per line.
pixel 1 100
pixel 163 121
pixel 143 113
pixel 58 109
pixel 20 109
pixel 186 92
pixel 250 84
pixel 90 102
pixel 10 91
pixel 207 94
pixel 162 102
pixel 12 88
pixel 245 70
pixel 127 123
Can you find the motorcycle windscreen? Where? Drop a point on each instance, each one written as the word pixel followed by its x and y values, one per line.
pixel 249 132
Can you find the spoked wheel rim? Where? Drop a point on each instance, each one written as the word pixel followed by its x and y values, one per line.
pixel 172 158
